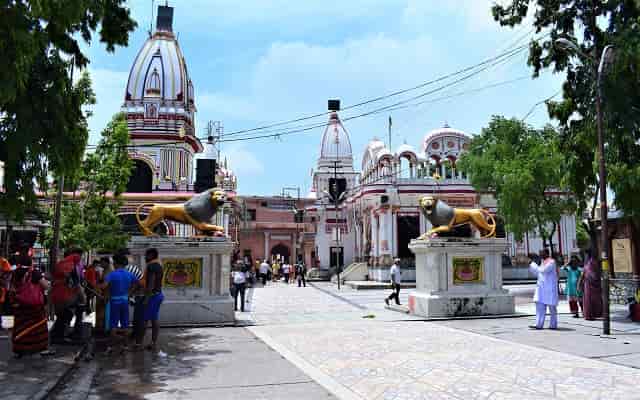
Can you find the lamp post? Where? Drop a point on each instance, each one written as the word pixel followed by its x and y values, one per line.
pixel 569 45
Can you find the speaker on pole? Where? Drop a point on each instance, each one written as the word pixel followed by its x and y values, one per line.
pixel 205 175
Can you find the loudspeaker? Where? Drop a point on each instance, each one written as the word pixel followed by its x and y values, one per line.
pixel 384 199
pixel 205 175
pixel 333 105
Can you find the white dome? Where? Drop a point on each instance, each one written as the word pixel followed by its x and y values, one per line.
pixel 335 140
pixel 160 71
pixel 447 131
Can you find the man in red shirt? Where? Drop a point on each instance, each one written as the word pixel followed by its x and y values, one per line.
pixel 65 294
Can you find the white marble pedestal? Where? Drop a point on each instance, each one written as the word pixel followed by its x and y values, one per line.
pixel 195 278
pixel 458 277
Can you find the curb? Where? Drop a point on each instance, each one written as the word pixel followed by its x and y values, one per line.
pixel 49 387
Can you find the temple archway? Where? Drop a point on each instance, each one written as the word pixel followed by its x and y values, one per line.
pixel 282 250
pixel 141 179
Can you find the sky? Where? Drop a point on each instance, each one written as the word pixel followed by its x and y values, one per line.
pixel 259 62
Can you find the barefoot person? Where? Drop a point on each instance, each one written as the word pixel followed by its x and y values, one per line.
pixel 119 283
pixel 546 294
pixel 153 296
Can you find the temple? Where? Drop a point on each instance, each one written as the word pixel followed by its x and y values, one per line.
pixel 171 162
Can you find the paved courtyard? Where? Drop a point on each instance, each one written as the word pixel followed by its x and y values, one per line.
pixel 353 346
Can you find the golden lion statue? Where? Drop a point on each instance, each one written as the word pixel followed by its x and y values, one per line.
pixel 197 211
pixel 443 217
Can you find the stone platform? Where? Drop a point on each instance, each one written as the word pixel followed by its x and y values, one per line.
pixel 458 277
pixel 196 278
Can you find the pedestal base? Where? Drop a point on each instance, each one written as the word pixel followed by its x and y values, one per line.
pixel 446 305
pixel 197 312
pixel 195 278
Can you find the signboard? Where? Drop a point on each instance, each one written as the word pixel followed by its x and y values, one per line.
pixel 621 255
pixel 468 270
pixel 182 272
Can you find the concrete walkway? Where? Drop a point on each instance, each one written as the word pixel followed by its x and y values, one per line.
pixel 392 356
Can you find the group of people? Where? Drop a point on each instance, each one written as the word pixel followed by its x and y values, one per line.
pixel 107 286
pixel 583 288
pixel 276 271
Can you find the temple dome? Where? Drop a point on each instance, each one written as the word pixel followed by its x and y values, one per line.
pixel 335 140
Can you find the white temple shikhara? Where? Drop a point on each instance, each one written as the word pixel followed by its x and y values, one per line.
pixel 160 108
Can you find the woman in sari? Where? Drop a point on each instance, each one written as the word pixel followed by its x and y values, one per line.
pixel 30 330
pixel 591 289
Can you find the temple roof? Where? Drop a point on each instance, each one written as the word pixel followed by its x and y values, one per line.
pixel 335 140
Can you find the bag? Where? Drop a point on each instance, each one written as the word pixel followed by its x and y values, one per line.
pixel 29 293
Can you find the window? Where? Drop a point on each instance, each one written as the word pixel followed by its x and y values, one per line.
pixel 251 215
pixel 153 85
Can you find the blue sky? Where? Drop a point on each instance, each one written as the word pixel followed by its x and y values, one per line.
pixel 259 62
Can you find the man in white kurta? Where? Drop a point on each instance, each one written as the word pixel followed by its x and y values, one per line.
pixel 546 294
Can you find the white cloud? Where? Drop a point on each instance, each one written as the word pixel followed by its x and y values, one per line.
pixel 243 162
pixel 109 88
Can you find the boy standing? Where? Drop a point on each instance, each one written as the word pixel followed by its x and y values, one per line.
pixel 119 282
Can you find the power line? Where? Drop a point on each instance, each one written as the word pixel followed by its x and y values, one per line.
pixel 380 109
pixel 507 53
pixel 539 103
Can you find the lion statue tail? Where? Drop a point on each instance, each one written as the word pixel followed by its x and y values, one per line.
pixel 491 222
pixel 140 221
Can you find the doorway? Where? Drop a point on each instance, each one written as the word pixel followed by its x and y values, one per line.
pixel 336 257
pixel 408 228
pixel 141 179
pixel 282 251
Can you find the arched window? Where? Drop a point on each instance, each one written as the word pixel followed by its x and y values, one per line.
pixel 141 179
pixel 153 85
pixel 405 167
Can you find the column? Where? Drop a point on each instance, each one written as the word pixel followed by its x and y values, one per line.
pixel 374 235
pixel 266 246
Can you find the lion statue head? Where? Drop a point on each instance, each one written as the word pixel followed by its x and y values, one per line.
pixel 427 204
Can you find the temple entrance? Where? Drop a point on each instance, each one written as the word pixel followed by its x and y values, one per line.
pixel 141 179
pixel 282 251
pixel 337 257
pixel 408 228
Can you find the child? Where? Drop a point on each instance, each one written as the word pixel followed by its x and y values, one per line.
pixel 573 292
pixel 119 283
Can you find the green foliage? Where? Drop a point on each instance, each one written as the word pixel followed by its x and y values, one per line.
pixel 43 126
pixel 593 25
pixel 91 221
pixel 521 166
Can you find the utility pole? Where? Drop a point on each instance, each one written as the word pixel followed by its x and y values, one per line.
pixel 390 123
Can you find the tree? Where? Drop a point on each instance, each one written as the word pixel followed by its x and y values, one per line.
pixel 43 124
pixel 523 168
pixel 91 221
pixel 592 25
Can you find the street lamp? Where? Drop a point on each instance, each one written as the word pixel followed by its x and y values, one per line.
pixel 568 45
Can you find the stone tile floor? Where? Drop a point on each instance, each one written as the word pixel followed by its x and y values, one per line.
pixel 394 357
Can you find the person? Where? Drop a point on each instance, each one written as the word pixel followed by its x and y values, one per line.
pixel 6 273
pixel 30 331
pixel 573 292
pixel 65 295
pixel 546 294
pixel 264 272
pixel 285 272
pixel 276 271
pixel 394 276
pixel 301 271
pixel 138 302
pixel 292 273
pixel 153 296
pixel 591 289
pixel 240 285
pixel 103 269
pixel 91 280
pixel 118 283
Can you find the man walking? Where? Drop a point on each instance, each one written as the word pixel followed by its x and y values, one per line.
pixel 264 271
pixel 240 285
pixel 546 294
pixel 300 274
pixel 394 276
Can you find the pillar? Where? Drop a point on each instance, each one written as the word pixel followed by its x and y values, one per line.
pixel 266 246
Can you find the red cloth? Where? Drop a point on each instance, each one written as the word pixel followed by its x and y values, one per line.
pixel 90 276
pixel 60 292
pixel 592 291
